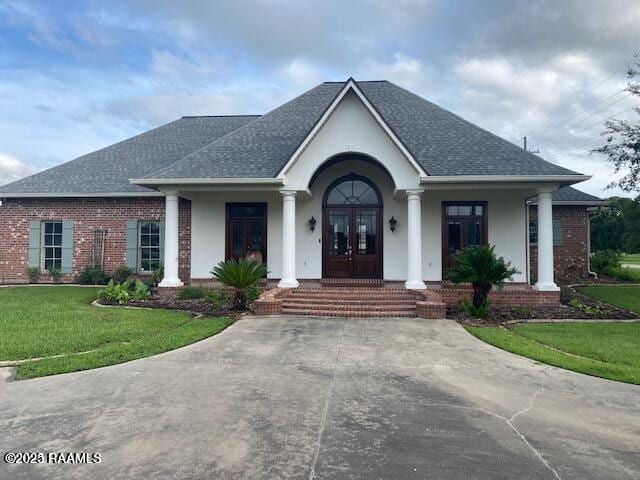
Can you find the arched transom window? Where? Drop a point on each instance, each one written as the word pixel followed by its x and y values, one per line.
pixel 352 190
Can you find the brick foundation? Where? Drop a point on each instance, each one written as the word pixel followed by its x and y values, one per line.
pixel 570 260
pixel 511 296
pixel 87 214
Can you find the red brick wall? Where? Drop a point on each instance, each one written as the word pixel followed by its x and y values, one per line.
pixel 87 214
pixel 570 260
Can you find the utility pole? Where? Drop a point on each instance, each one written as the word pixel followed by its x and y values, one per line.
pixel 525 147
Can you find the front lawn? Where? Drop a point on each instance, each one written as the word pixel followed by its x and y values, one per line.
pixel 607 350
pixel 631 258
pixel 624 296
pixel 46 321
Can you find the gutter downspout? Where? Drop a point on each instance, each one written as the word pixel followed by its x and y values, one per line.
pixel 591 213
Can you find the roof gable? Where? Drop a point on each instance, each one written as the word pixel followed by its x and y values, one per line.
pixel 350 86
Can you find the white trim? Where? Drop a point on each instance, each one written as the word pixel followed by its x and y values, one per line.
pixel 582 203
pixel 503 178
pixel 350 85
pixel 81 194
pixel 201 181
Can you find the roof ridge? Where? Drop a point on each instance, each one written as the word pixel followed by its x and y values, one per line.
pixel 467 122
pixel 223 116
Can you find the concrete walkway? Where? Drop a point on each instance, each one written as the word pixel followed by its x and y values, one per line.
pixel 327 398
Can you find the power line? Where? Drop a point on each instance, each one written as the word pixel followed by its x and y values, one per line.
pixel 595 125
pixel 580 113
pixel 586 118
pixel 561 109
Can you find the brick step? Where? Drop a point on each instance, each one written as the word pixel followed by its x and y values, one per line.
pixel 348 306
pixel 351 295
pixel 341 301
pixel 348 313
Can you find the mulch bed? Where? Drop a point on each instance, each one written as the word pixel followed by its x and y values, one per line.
pixel 196 306
pixel 501 314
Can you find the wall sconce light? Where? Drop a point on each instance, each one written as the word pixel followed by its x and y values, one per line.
pixel 312 223
pixel 392 224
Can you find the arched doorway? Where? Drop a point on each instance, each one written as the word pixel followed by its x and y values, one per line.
pixel 352 229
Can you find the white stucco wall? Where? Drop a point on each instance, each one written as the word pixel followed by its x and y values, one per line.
pixel 507 228
pixel 208 217
pixel 351 128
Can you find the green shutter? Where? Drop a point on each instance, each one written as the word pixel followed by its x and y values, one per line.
pixel 67 246
pixel 161 225
pixel 557 232
pixel 131 253
pixel 34 243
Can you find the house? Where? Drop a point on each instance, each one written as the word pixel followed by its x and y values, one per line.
pixel 350 180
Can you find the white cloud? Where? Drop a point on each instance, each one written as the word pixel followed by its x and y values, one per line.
pixel 12 169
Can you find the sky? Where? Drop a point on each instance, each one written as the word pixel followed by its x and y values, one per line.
pixel 76 76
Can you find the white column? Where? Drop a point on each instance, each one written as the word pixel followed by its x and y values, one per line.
pixel 171 278
pixel 414 244
pixel 545 242
pixel 288 279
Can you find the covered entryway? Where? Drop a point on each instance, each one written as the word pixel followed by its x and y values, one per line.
pixel 352 229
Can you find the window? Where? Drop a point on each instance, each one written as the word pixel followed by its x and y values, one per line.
pixel 246 235
pixel 465 225
pixel 557 232
pixel 149 246
pixel 352 191
pixel 533 233
pixel 52 245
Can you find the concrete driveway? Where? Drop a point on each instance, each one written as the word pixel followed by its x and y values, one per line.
pixel 327 398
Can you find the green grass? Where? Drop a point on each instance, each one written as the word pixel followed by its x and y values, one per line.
pixel 607 350
pixel 625 296
pixel 631 258
pixel 46 321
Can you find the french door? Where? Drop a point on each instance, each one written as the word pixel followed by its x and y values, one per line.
pixel 247 231
pixel 352 242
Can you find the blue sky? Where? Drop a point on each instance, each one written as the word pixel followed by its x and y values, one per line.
pixel 78 76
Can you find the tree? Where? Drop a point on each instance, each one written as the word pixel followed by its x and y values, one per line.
pixel 617 227
pixel 480 267
pixel 241 275
pixel 623 141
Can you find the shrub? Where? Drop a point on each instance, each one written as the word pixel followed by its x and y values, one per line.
pixel 190 293
pixel 140 291
pixel 156 276
pixel 253 292
pixel 241 275
pixel 480 267
pixel 116 292
pixel 93 276
pixel 34 274
pixel 605 262
pixel 626 274
pixel 56 274
pixel 122 274
pixel 476 312
pixel 218 299
pixel 123 292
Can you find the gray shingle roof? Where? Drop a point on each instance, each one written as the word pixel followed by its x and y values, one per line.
pixel 441 142
pixel 570 194
pixel 259 146
pixel 108 170
pixel 445 144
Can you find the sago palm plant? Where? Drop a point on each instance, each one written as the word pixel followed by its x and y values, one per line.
pixel 241 275
pixel 480 267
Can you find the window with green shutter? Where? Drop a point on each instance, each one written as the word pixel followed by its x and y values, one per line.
pixel 51 245
pixel 149 246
